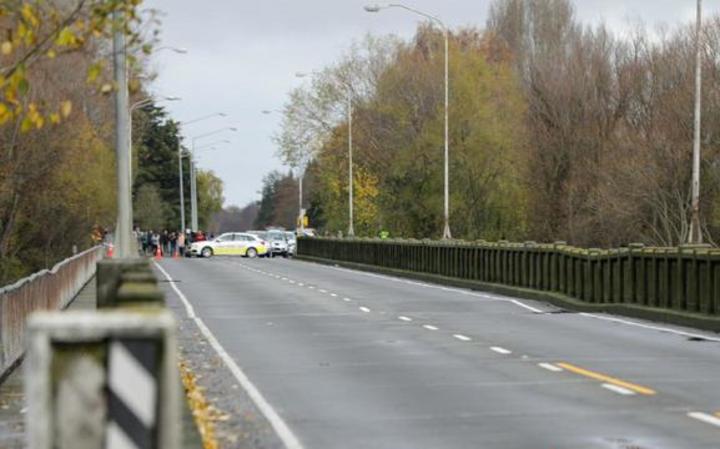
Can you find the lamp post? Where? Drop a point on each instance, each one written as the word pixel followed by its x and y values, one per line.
pixel 193 175
pixel 122 143
pixel 351 184
pixel 178 50
pixel 180 164
pixel 378 8
pixel 695 234
pixel 301 174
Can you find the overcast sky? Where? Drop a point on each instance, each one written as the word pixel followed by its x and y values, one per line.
pixel 242 56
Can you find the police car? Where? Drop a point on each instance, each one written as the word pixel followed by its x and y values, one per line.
pixel 230 244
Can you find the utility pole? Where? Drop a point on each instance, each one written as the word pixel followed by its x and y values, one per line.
pixel 182 189
pixel 301 211
pixel 351 229
pixel 193 191
pixel 446 211
pixel 695 234
pixel 122 140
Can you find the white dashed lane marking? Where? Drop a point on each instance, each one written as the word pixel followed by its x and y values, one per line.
pixel 500 350
pixel 347 299
pixel 706 418
pixel 334 295
pixel 619 390
pixel 462 337
pixel 364 309
pixel 550 367
pixel 405 318
pixel 430 327
pixel 323 291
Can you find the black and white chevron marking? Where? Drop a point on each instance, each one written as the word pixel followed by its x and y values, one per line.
pixel 132 394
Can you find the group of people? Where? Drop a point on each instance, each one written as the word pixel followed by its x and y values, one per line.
pixel 168 242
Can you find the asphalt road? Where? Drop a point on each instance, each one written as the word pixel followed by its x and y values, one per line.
pixel 348 359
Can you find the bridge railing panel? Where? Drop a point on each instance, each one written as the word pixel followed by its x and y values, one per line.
pixel 51 289
pixel 684 279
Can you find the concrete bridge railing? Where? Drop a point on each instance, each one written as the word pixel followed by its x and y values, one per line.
pixel 680 285
pixel 51 289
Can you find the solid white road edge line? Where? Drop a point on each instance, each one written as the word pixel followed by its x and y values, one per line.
pixel 278 424
pixel 462 337
pixel 619 390
pixel 528 307
pixel 550 367
pixel 648 326
pixel 430 327
pixel 449 289
pixel 500 350
pixel 706 418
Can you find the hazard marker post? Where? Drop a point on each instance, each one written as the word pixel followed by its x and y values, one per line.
pixel 102 380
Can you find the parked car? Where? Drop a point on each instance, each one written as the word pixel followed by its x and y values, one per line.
pixel 292 242
pixel 230 244
pixel 278 243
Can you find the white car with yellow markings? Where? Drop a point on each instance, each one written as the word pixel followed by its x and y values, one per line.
pixel 230 244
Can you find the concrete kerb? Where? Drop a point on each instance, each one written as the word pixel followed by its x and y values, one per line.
pixel 643 312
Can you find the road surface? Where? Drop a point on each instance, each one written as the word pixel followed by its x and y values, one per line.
pixel 347 359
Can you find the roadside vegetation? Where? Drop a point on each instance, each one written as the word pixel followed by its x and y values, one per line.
pixel 57 155
pixel 558 131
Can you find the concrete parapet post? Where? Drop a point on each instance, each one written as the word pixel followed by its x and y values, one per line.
pixel 102 381
pixel 122 282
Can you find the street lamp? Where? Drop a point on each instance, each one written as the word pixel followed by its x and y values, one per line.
pixel 193 175
pixel 378 8
pixel 148 101
pixel 123 228
pixel 351 187
pixel 180 165
pixel 178 50
pixel 217 142
pixel 695 234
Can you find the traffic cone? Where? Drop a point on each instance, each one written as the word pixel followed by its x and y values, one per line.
pixel 109 253
pixel 158 253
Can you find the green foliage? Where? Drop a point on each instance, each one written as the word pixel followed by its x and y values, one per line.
pixel 210 197
pixel 150 211
pixel 278 205
pixel 398 136
pixel 156 150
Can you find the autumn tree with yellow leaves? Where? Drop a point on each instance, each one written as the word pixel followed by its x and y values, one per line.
pixel 57 170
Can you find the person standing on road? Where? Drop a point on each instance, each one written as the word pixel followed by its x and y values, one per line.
pixel 155 239
pixel 181 243
pixel 172 240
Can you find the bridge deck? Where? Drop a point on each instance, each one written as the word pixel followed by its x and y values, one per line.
pixel 356 360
